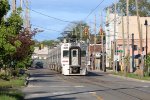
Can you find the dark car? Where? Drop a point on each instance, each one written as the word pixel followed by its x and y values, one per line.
pixel 39 65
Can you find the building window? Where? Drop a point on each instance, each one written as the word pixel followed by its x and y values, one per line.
pixel 135 47
pixel 142 48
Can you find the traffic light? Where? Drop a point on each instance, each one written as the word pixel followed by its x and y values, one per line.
pixel 41 46
pixel 86 31
pixel 101 31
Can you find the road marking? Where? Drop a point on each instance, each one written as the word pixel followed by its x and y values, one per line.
pixel 55 86
pixel 60 93
pixel 79 86
pixel 145 86
pixel 47 94
pixel 98 97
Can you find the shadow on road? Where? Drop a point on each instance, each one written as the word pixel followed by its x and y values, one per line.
pixel 94 74
pixel 41 75
pixel 51 98
pixel 57 97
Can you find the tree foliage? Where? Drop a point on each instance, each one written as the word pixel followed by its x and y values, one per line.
pixel 144 7
pixel 48 42
pixel 75 29
pixel 4 7
pixel 16 44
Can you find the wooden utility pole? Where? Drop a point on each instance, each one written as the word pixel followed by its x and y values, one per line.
pixel 128 45
pixel 102 42
pixel 94 43
pixel 21 3
pixel 27 20
pixel 14 5
pixel 140 37
pixel 81 31
pixel 123 41
pixel 114 45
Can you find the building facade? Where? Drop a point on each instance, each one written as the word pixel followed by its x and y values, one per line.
pixel 133 29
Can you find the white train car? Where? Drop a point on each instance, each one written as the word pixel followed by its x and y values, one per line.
pixel 69 58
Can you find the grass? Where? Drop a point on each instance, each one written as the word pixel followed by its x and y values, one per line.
pixel 132 75
pixel 11 94
pixel 9 89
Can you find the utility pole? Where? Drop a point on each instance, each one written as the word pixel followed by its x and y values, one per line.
pixel 102 43
pixel 128 45
pixel 95 42
pixel 27 20
pixel 81 31
pixel 114 45
pixel 146 24
pixel 14 5
pixel 21 3
pixel 140 37
pixel 123 41
pixel 132 52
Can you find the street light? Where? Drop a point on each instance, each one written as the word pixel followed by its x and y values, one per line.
pixel 146 24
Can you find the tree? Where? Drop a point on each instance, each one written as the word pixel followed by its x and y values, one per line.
pixel 144 7
pixel 76 29
pixel 48 42
pixel 9 30
pixel 4 7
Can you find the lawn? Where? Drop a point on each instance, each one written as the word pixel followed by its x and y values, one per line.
pixel 10 89
pixel 132 75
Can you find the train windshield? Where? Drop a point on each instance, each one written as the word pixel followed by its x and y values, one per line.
pixel 65 53
pixel 74 53
pixel 83 53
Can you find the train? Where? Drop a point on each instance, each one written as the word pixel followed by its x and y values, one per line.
pixel 69 58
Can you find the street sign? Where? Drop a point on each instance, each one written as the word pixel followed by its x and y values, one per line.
pixel 120 51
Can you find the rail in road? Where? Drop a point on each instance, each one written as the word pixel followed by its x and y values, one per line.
pixel 49 85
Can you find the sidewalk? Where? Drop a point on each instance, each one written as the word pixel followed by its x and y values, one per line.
pixel 109 72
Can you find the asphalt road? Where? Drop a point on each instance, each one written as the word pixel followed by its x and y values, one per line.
pixel 45 84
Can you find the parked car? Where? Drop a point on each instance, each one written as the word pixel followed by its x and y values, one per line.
pixel 39 65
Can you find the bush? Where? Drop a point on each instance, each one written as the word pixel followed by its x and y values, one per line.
pixel 15 73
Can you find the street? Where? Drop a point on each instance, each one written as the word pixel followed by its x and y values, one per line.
pixel 45 84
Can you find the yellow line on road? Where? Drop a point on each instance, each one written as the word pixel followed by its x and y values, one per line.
pixel 98 97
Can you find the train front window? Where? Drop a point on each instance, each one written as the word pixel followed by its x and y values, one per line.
pixel 65 53
pixel 83 53
pixel 74 53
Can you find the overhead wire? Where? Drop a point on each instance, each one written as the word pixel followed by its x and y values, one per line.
pixel 45 28
pixel 94 9
pixel 62 20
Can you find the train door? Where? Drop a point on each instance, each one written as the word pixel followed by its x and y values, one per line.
pixel 74 56
pixel 75 60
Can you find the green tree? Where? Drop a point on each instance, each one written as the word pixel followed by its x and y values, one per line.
pixel 75 29
pixel 48 42
pixel 9 30
pixel 144 7
pixel 4 7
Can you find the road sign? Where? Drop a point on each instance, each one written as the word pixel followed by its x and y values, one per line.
pixel 120 51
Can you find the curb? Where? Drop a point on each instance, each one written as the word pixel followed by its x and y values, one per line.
pixel 127 78
pixel 27 80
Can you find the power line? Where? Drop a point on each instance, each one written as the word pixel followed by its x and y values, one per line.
pixel 47 15
pixel 94 9
pixel 45 28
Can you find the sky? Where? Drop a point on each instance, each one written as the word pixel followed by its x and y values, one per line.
pixel 68 10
